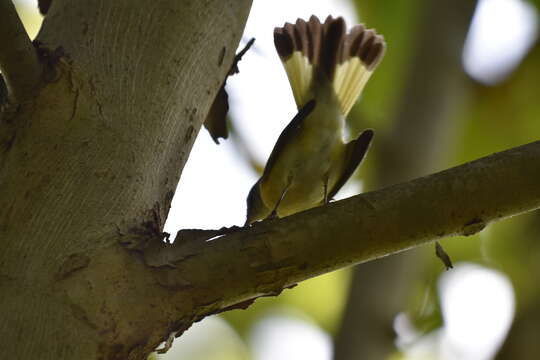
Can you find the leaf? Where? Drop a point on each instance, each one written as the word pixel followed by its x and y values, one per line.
pixel 216 120
pixel 44 6
pixel 441 254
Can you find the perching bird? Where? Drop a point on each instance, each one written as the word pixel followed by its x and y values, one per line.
pixel 327 69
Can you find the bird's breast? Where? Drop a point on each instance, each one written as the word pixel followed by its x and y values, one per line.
pixel 303 166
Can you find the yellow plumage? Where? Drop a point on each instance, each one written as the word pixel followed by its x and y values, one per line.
pixel 349 80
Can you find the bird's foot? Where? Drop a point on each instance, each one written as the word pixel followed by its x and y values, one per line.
pixel 273 215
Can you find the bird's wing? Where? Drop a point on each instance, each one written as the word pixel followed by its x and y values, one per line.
pixel 290 132
pixel 354 153
pixel 312 52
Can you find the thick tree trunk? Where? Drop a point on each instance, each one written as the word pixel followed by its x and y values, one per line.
pixel 98 154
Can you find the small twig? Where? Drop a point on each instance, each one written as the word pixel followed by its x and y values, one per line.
pixel 216 121
pixel 19 63
pixel 238 57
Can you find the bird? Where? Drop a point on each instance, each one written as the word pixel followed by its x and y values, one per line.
pixel 327 67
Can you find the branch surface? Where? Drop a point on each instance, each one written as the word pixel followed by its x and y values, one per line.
pixel 272 255
pixel 18 59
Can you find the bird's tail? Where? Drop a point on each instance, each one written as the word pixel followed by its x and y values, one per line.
pixel 311 49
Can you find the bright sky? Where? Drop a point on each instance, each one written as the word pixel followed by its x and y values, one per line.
pixel 477 305
pixel 288 337
pixel 215 182
pixel 478 308
pixel 501 34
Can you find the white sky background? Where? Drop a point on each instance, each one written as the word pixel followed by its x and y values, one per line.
pixel 215 182
pixel 501 34
pixel 478 308
pixel 289 338
pixel 477 305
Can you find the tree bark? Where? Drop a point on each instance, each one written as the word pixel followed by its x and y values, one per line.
pixel 98 153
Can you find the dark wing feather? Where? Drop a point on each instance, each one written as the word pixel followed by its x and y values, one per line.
pixel 354 153
pixel 290 132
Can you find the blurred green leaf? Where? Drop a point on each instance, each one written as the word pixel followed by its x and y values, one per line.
pixel 535 3
pixel 393 19
pixel 321 299
pixel 502 116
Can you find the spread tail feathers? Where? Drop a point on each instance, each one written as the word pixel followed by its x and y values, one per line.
pixel 346 59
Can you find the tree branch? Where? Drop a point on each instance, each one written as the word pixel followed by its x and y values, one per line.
pixel 273 255
pixel 18 59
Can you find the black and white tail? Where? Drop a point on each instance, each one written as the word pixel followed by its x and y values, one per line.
pixel 346 59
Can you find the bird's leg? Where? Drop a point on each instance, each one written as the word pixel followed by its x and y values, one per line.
pixel 273 214
pixel 325 187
